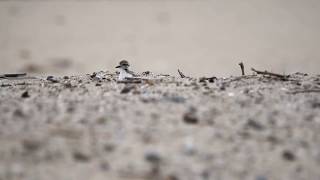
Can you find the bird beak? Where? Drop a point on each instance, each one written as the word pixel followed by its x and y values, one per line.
pixel 118 66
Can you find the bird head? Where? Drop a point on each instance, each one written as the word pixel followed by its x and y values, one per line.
pixel 123 64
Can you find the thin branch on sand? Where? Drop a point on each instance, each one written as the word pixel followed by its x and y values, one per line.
pixel 270 74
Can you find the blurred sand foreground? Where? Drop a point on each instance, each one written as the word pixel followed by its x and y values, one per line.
pixel 200 37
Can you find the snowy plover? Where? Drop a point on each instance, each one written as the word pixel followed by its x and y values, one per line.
pixel 124 70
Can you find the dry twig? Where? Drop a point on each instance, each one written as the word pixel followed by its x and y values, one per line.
pixel 242 68
pixel 270 74
pixel 181 74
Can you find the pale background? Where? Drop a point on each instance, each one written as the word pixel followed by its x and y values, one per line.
pixel 199 37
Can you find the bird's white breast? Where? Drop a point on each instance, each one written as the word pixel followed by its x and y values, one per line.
pixel 124 74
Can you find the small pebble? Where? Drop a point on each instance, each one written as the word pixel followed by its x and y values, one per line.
pixel 31 145
pixel 52 79
pixel 222 87
pixel 273 139
pixel 210 79
pixel 152 157
pixel 246 91
pixel 254 124
pixel 261 178
pixel 109 147
pixel 25 94
pixel 101 120
pixel 288 155
pixel 81 157
pixel 190 116
pixel 93 75
pixel 203 79
pixel 146 73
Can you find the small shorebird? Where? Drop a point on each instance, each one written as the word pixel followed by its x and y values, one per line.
pixel 124 70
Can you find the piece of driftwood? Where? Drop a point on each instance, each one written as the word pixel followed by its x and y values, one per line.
pixel 270 74
pixel 13 75
pixel 16 76
pixel 242 68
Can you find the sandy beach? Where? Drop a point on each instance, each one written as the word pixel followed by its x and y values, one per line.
pixel 69 118
pixel 166 128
